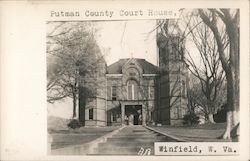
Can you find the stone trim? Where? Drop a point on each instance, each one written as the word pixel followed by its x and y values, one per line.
pixel 96 120
pixel 97 97
pixel 114 75
pixel 149 75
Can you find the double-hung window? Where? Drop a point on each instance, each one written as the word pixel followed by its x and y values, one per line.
pixel 91 114
pixel 113 93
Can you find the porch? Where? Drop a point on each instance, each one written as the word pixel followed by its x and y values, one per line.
pixel 127 113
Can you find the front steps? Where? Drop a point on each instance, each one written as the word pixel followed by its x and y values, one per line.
pixel 131 140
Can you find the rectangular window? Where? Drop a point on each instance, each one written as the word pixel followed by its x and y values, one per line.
pixel 113 93
pixel 149 92
pixel 91 114
pixel 175 113
pixel 152 92
pixel 114 117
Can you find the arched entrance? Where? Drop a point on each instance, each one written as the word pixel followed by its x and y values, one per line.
pixel 136 110
pixel 133 115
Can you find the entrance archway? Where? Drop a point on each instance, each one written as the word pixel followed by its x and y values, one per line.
pixel 133 114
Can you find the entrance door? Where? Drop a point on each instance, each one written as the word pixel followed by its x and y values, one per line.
pixel 136 119
pixel 134 114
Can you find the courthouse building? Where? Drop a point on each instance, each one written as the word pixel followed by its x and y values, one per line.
pixel 135 92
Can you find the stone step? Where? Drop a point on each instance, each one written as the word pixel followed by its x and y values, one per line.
pixel 137 139
pixel 122 150
pixel 137 133
pixel 129 141
pixel 136 130
pixel 125 144
pixel 140 136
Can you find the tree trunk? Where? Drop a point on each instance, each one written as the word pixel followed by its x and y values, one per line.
pixel 81 104
pixel 74 90
pixel 232 121
pixel 226 134
pixel 211 118
pixel 235 118
pixel 231 68
pixel 232 113
pixel 233 75
pixel 74 105
pixel 230 104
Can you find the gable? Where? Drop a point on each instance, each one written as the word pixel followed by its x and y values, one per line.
pixel 147 67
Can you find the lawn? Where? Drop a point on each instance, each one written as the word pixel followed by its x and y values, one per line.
pixel 62 136
pixel 198 133
pixel 66 137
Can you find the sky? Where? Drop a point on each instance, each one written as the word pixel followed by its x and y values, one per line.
pixel 126 39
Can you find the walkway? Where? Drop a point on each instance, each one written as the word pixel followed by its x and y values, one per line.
pixel 131 140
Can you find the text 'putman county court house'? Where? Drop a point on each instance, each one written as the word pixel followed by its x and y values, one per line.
pixel 134 91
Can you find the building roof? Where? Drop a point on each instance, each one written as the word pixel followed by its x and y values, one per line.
pixel 148 68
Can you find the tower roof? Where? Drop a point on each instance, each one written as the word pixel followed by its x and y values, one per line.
pixel 148 68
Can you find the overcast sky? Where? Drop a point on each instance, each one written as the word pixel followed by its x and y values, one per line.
pixel 128 38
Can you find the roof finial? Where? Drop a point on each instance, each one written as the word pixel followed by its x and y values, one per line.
pixel 131 54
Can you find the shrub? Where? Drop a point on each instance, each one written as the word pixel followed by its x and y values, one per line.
pixel 221 116
pixel 74 124
pixel 191 119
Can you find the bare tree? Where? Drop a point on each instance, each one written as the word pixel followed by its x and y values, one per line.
pixel 207 70
pixel 194 94
pixel 230 62
pixel 224 24
pixel 73 57
pixel 199 102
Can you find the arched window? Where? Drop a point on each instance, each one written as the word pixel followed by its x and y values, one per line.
pixel 132 88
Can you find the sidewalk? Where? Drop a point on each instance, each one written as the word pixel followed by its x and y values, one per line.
pixel 199 133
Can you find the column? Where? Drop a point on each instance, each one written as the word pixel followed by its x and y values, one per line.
pixel 123 114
